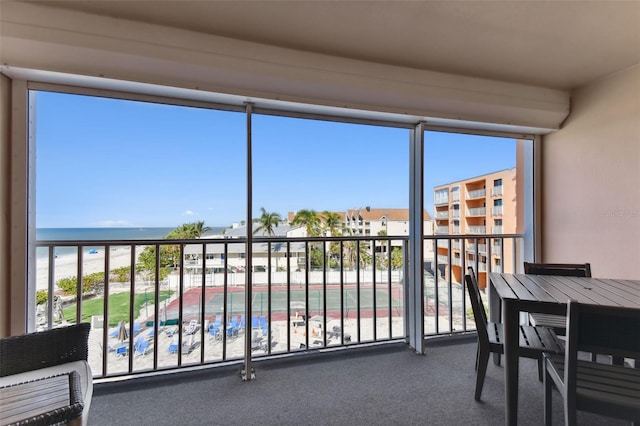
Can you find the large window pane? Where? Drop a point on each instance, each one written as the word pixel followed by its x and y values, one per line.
pixel 473 187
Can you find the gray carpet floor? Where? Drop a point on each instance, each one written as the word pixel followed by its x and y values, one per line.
pixel 381 385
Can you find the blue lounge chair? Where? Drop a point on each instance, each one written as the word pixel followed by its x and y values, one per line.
pixel 141 346
pixel 121 350
pixel 215 331
pixel 231 330
pixel 173 347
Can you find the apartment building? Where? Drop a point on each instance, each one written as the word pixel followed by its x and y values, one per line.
pixel 485 206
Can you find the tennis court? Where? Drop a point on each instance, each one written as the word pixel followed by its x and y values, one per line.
pixel 280 300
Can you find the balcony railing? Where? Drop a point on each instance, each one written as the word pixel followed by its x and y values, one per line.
pixel 478 193
pixel 496 210
pixel 471 248
pixel 477 211
pixel 477 229
pixel 305 294
pixel 442 229
pixel 441 200
pixel 496 190
pixel 442 215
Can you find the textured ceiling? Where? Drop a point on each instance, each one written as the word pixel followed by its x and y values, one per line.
pixel 555 44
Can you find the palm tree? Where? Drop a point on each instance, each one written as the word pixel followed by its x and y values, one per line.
pixel 332 223
pixel 310 220
pixel 198 229
pixel 268 221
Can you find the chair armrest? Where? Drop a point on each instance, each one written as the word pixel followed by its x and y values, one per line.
pixel 44 349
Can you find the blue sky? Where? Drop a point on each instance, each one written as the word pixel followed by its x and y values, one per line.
pixel 107 162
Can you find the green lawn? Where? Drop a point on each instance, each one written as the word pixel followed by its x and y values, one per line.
pixel 118 307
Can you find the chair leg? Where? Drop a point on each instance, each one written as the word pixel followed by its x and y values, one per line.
pixel 570 413
pixel 483 361
pixel 540 369
pixel 547 398
pixel 477 357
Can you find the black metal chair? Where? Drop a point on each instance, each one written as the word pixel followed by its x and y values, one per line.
pixel 557 322
pixel 609 390
pixel 533 340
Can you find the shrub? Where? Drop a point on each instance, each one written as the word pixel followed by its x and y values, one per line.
pixel 69 285
pixel 41 297
pixel 121 275
pixel 92 280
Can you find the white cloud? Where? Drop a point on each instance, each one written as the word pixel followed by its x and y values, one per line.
pixel 189 213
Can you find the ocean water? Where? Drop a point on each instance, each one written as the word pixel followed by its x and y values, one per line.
pixel 81 234
pixel 90 234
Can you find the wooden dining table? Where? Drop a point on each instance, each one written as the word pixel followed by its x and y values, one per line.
pixel 511 294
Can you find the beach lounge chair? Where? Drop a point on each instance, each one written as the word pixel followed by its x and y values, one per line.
pixel 171 331
pixel 121 350
pixel 173 347
pixel 236 323
pixel 192 327
pixel 215 331
pixel 232 330
pixel 141 346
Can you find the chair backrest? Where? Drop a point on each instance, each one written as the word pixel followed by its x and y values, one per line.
pixel 602 330
pixel 44 349
pixel 478 307
pixel 562 269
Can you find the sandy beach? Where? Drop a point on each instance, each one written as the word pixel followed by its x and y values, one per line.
pixel 66 266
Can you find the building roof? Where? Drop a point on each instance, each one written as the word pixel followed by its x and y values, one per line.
pixel 392 215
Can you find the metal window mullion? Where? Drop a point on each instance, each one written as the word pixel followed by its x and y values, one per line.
pixel 156 302
pixel 289 296
pixel 416 219
pixel 306 295
pixel 51 288
pixel 180 318
pixel 156 315
pixel 358 313
pixel 324 293
pixel 342 292
pixel 389 288
pixel 79 282
pixel 450 290
pixel 105 325
pixel 203 287
pixel 406 291
pixel 225 299
pixel 375 324
pixel 248 369
pixel 269 300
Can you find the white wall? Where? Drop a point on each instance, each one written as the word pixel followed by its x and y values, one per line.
pixel 591 180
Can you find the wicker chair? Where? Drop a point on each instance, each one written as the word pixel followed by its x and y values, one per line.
pixel 35 356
